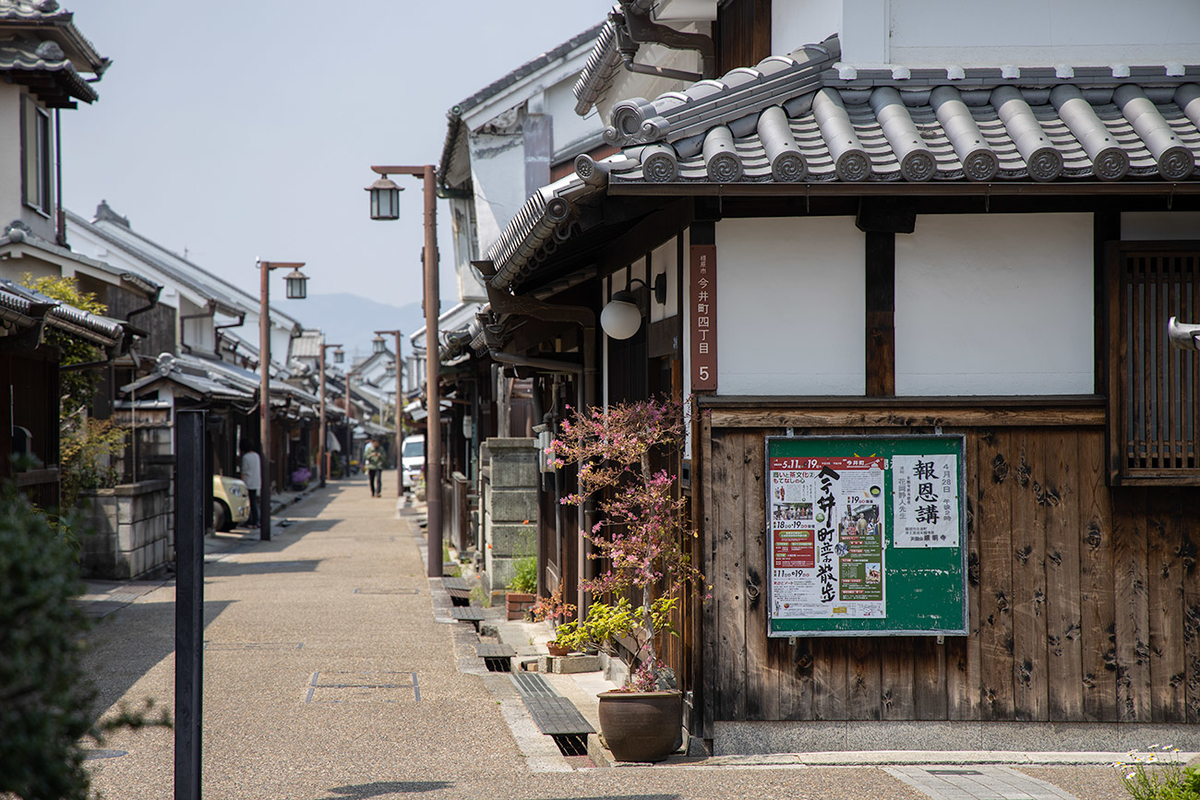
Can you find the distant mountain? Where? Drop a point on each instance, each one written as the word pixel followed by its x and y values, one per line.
pixel 351 320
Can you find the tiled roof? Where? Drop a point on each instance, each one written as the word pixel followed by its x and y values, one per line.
pixel 192 374
pixel 452 145
pixel 603 63
pixel 808 119
pixel 308 344
pixel 19 55
pixel 67 318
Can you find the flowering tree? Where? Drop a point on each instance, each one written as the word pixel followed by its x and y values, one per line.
pixel 643 525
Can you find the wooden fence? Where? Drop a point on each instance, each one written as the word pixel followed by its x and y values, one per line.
pixel 1084 600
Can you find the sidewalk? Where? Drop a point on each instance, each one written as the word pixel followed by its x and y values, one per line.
pixel 332 671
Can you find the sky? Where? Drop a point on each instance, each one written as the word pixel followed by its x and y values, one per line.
pixel 243 130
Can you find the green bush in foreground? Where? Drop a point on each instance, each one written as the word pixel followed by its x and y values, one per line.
pixel 45 698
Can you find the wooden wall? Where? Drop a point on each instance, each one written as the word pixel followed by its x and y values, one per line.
pixel 1084 600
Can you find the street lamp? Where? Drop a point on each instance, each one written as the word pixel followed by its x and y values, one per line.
pixel 383 194
pixel 295 289
pixel 378 346
pixel 339 355
pixel 324 456
pixel 396 369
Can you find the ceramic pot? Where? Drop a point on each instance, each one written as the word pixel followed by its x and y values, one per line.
pixel 641 726
pixel 557 649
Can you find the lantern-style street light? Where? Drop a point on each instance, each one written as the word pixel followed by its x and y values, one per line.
pixel 385 198
pixel 378 346
pixel 385 205
pixel 323 458
pixel 296 281
pixel 395 372
pixel 339 355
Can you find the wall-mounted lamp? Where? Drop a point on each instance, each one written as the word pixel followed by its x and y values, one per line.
pixel 621 318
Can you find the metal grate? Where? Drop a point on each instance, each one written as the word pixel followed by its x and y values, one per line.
pixel 387 591
pixel 571 744
pixel 1157 409
pixel 554 714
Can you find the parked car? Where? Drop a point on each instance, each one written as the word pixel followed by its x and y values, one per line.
pixel 412 460
pixel 231 502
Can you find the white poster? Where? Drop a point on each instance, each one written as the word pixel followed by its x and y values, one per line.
pixel 826 518
pixel 925 500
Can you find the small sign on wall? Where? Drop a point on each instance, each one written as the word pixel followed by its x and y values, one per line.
pixel 702 307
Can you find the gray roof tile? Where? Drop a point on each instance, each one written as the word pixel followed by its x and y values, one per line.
pixel 1029 138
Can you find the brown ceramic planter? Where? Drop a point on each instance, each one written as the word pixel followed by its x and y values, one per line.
pixel 641 726
pixel 557 649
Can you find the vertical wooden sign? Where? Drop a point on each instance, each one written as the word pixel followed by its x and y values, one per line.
pixel 702 308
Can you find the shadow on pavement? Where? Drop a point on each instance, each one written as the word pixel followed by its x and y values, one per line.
pixel 231 569
pixel 127 645
pixel 363 791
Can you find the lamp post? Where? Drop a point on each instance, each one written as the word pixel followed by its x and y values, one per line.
pixel 296 290
pixel 385 205
pixel 399 466
pixel 324 456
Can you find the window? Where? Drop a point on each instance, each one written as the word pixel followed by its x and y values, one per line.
pixel 35 156
pixel 1154 389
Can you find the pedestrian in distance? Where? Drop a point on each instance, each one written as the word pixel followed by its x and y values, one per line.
pixel 252 476
pixel 373 456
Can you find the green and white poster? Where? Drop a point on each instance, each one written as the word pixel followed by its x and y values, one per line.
pixel 866 535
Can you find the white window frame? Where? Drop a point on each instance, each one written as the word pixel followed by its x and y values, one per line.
pixel 36 172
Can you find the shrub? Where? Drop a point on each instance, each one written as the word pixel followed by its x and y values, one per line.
pixel 524 577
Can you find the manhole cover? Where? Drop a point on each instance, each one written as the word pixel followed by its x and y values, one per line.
pixel 219 646
pixel 91 755
pixel 362 687
pixel 387 591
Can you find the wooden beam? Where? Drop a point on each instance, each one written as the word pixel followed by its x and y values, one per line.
pixel 906 417
pixel 881 314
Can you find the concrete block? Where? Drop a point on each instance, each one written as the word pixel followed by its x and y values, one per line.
pixel 573 663
pixel 124 509
pixel 513 540
pixel 126 538
pixel 137 562
pixel 513 505
pixel 520 475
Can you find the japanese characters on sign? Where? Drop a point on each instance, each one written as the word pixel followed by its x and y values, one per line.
pixel 827 537
pixel 702 311
pixel 926 500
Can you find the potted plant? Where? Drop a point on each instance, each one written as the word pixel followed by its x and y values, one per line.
pixel 641 538
pixel 521 588
pixel 555 610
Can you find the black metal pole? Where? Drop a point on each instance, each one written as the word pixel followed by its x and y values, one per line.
pixel 189 599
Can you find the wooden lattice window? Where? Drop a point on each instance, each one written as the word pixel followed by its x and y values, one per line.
pixel 1154 389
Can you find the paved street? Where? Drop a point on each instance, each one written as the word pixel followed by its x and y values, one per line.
pixel 332 671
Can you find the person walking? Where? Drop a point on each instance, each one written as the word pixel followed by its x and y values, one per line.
pixel 373 456
pixel 252 477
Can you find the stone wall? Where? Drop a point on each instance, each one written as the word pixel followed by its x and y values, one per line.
pixel 127 530
pixel 510 507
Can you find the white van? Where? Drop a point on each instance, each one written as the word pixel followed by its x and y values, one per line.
pixel 412 460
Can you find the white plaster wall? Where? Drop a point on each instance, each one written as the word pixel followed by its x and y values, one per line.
pixel 10 153
pixel 790 309
pixel 498 174
pixel 795 23
pixel 1159 225
pixel 569 127
pixel 1039 32
pixel 998 304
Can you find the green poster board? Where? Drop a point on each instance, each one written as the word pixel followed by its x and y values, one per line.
pixel 866 536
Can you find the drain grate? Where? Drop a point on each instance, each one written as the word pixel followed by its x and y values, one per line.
pixel 571 744
pixel 554 714
pixel 497 657
pixel 352 687
pixel 469 614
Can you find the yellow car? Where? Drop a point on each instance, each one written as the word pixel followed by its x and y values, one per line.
pixel 231 502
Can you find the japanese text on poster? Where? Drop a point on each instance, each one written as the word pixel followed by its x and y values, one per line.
pixel 827 537
pixel 925 498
